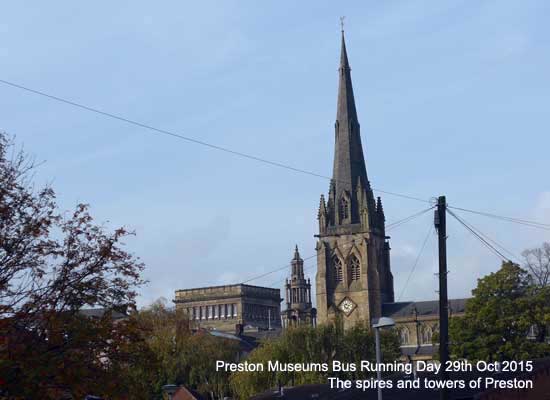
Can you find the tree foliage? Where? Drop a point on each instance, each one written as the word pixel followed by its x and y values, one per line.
pixel 306 345
pixel 504 308
pixel 53 264
pixel 176 355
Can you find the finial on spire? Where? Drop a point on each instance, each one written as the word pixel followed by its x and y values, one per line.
pixel 342 18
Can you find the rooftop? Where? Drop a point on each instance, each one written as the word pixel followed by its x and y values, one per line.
pixel 422 308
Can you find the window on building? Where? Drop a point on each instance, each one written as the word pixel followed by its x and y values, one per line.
pixel 533 332
pixel 355 268
pixel 337 268
pixel 234 310
pixel 344 208
pixel 427 334
pixel 405 335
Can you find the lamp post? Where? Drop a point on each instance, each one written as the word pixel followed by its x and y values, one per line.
pixel 382 322
pixel 170 389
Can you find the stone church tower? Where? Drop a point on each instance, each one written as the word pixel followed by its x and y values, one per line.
pixel 299 310
pixel 353 253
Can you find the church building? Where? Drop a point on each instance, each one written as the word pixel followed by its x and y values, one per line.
pixel 353 253
pixel 299 310
pixel 354 281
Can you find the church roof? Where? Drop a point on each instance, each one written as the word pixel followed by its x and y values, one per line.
pixel 422 308
pixel 100 312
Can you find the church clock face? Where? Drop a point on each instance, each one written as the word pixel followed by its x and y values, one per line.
pixel 347 306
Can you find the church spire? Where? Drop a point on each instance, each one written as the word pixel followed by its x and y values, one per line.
pixel 346 100
pixel 296 253
pixel 349 163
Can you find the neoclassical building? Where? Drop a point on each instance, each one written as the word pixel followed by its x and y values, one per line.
pixel 353 253
pixel 231 308
pixel 299 309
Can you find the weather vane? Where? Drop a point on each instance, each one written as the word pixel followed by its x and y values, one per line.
pixel 342 22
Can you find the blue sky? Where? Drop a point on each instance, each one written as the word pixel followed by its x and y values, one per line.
pixel 452 96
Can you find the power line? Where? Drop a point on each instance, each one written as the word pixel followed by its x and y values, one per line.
pixel 407 219
pixel 486 237
pixel 415 262
pixel 188 138
pixel 249 156
pixel 388 228
pixel 479 237
pixel 278 281
pixel 533 224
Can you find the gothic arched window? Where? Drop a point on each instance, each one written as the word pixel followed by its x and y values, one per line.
pixel 354 268
pixel 338 271
pixel 427 335
pixel 344 208
pixel 405 335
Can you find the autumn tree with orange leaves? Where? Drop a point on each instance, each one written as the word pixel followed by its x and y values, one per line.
pixel 53 265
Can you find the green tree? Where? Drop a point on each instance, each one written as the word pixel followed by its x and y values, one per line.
pixel 504 307
pixel 174 354
pixel 308 345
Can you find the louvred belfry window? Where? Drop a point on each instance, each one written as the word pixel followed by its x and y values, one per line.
pixel 355 269
pixel 338 271
pixel 344 209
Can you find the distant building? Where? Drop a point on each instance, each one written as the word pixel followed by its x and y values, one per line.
pixel 354 276
pixel 100 312
pixel 299 310
pixel 417 322
pixel 231 308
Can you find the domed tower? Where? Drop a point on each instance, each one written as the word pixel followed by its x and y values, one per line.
pixel 353 263
pixel 299 310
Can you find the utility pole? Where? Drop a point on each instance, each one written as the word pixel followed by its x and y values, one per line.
pixel 441 226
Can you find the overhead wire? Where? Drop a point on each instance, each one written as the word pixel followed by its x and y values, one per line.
pixel 247 155
pixel 416 262
pixel 525 222
pixel 479 237
pixel 389 227
pixel 189 138
pixel 493 241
